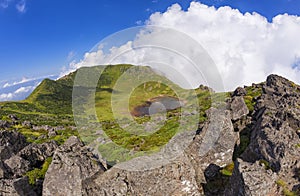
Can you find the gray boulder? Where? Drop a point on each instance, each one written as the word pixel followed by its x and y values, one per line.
pixel 4 124
pixel 36 154
pixel 252 179
pixel 71 164
pixel 239 92
pixel 238 108
pixel 17 166
pixel 52 132
pixel 11 142
pixel 19 187
pixel 216 141
pixel 175 178
pixel 27 124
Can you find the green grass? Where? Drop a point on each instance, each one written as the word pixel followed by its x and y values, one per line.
pixel 51 104
pixel 228 169
pixel 38 173
pixel 252 93
pixel 266 164
pixel 286 191
pixel 142 142
pixel 245 136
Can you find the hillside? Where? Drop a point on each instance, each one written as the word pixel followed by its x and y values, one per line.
pixel 244 142
pixel 51 104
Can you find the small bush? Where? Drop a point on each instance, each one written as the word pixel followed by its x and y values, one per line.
pixel 228 169
pixel 39 173
pixel 266 164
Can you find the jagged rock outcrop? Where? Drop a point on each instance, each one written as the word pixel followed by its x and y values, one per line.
pixel 36 154
pixel 238 108
pixel 213 146
pixel 17 166
pixel 11 142
pixel 17 158
pixel 71 164
pixel 4 124
pixel 273 153
pixel 239 91
pixel 17 187
pixel 215 143
pixel 252 179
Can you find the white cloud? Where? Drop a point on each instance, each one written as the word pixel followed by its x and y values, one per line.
pixel 24 89
pixel 24 80
pixel 4 3
pixel 6 96
pixel 245 47
pixel 139 22
pixel 6 85
pixel 71 55
pixel 21 6
pixel 20 93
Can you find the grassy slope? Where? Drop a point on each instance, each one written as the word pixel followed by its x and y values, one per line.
pixel 51 103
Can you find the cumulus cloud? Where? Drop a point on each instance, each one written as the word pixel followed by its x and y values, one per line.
pixel 17 94
pixel 6 96
pixel 244 47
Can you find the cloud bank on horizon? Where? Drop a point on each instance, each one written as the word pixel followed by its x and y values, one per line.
pixel 19 90
pixel 246 48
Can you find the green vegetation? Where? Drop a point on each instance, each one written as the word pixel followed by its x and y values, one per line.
pixel 245 135
pixel 51 104
pixel 228 169
pixel 286 191
pixel 38 173
pixel 252 93
pixel 266 164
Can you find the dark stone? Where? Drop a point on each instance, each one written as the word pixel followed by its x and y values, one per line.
pixel 239 92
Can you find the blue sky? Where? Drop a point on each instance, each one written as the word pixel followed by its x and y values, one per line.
pixel 39 37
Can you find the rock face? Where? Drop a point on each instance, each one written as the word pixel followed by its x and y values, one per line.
pixel 11 142
pixel 252 179
pixel 17 158
pixel 38 153
pixel 20 186
pixel 183 176
pixel 177 178
pixel 17 166
pixel 270 164
pixel 4 124
pixel 71 164
pixel 238 108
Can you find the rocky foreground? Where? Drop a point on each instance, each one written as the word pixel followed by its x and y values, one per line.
pixel 254 152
